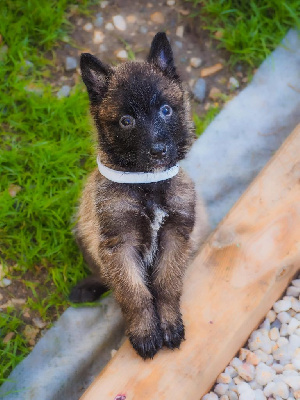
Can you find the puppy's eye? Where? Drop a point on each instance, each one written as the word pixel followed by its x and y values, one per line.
pixel 127 122
pixel 166 110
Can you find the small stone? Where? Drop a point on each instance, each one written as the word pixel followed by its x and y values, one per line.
pixel 296 282
pixel 261 354
pixel 210 396
pixel 282 355
pixel 292 326
pixel 8 337
pixel 295 304
pixel 281 389
pixel 99 20
pixel 238 380
pixel 292 381
pixel 131 19
pixel 18 301
pixel 297 394
pixel 224 378
pixel 259 394
pixel 246 371
pixel 264 374
pixel 195 62
pixel 214 93
pixel 63 92
pixel 233 83
pixel 293 291
pixel 271 316
pixel 171 3
pixel 39 323
pixel 282 341
pixel 113 352
pixel 119 22
pixel 221 388
pixel 268 390
pixel 278 368
pixel 13 190
pixel 211 70
pixel 199 90
pixel 284 330
pixel 244 388
pixel 224 397
pixel 88 27
pixel 253 358
pixel 276 324
pixel 157 17
pixel 30 333
pixel 143 29
pixel 122 55
pixel 102 48
pixel 236 362
pixel 296 363
pixel 232 395
pixel 230 371
pixel 98 37
pixel 243 353
pixel 284 317
pixel 282 305
pixel 180 31
pixel 103 4
pixel 70 64
pixel 178 44
pixel 109 26
pixel 274 334
pixel 5 282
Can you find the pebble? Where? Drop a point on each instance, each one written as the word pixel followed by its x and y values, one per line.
pixel 233 83
pixel 195 62
pixel 143 29
pixel 99 20
pixel 246 371
pixel 122 55
pixel 70 64
pixel 253 358
pixel 293 291
pixel 224 397
pixel 109 26
pixel 221 388
pixel 171 3
pixel 224 378
pixel 63 92
pixel 180 31
pixel 232 395
pixel 104 3
pixel 282 305
pixel 5 282
pixel 264 374
pixel 211 70
pixel 199 90
pixel 98 37
pixel 271 316
pixel 284 317
pixel 296 282
pixel 210 396
pixel 259 394
pixel 131 19
pixel 292 381
pixel 214 93
pixel 102 47
pixel 274 334
pixel 119 23
pixel 39 323
pixel 157 17
pixel 295 305
pixel 178 44
pixel 293 325
pixel 88 27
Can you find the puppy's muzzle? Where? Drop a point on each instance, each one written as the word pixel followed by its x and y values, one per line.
pixel 158 151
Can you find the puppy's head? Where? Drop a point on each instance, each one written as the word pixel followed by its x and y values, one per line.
pixel 140 110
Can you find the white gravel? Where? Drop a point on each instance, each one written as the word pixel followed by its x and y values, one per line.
pixel 268 368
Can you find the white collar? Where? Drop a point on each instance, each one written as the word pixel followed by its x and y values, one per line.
pixel 136 177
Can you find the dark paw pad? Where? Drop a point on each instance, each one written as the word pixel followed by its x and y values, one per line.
pixel 147 346
pixel 87 291
pixel 173 335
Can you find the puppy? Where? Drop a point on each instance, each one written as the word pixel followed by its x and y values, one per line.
pixel 139 222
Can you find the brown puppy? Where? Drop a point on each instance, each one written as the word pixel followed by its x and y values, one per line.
pixel 138 238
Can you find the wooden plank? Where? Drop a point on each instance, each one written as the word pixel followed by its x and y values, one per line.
pixel 238 275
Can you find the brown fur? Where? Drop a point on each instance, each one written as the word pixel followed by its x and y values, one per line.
pixel 142 263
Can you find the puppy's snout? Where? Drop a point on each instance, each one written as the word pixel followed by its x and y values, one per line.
pixel 158 150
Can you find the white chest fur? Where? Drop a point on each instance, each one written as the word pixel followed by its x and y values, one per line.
pixel 159 216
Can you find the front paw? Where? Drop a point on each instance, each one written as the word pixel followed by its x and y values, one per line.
pixel 147 345
pixel 173 334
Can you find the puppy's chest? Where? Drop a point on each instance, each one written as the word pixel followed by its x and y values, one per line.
pixel 157 217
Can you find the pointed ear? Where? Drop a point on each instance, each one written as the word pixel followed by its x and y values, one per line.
pixel 95 75
pixel 161 55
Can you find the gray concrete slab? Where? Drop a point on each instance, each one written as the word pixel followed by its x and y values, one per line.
pixel 230 153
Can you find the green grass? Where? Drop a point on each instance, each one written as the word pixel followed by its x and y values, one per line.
pixel 46 152
pixel 202 122
pixel 249 30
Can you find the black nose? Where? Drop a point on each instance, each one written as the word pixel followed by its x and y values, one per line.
pixel 158 150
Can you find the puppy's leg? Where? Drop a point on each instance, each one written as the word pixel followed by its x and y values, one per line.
pixel 126 277
pixel 167 284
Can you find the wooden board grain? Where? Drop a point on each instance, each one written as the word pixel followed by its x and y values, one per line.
pixel 240 272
